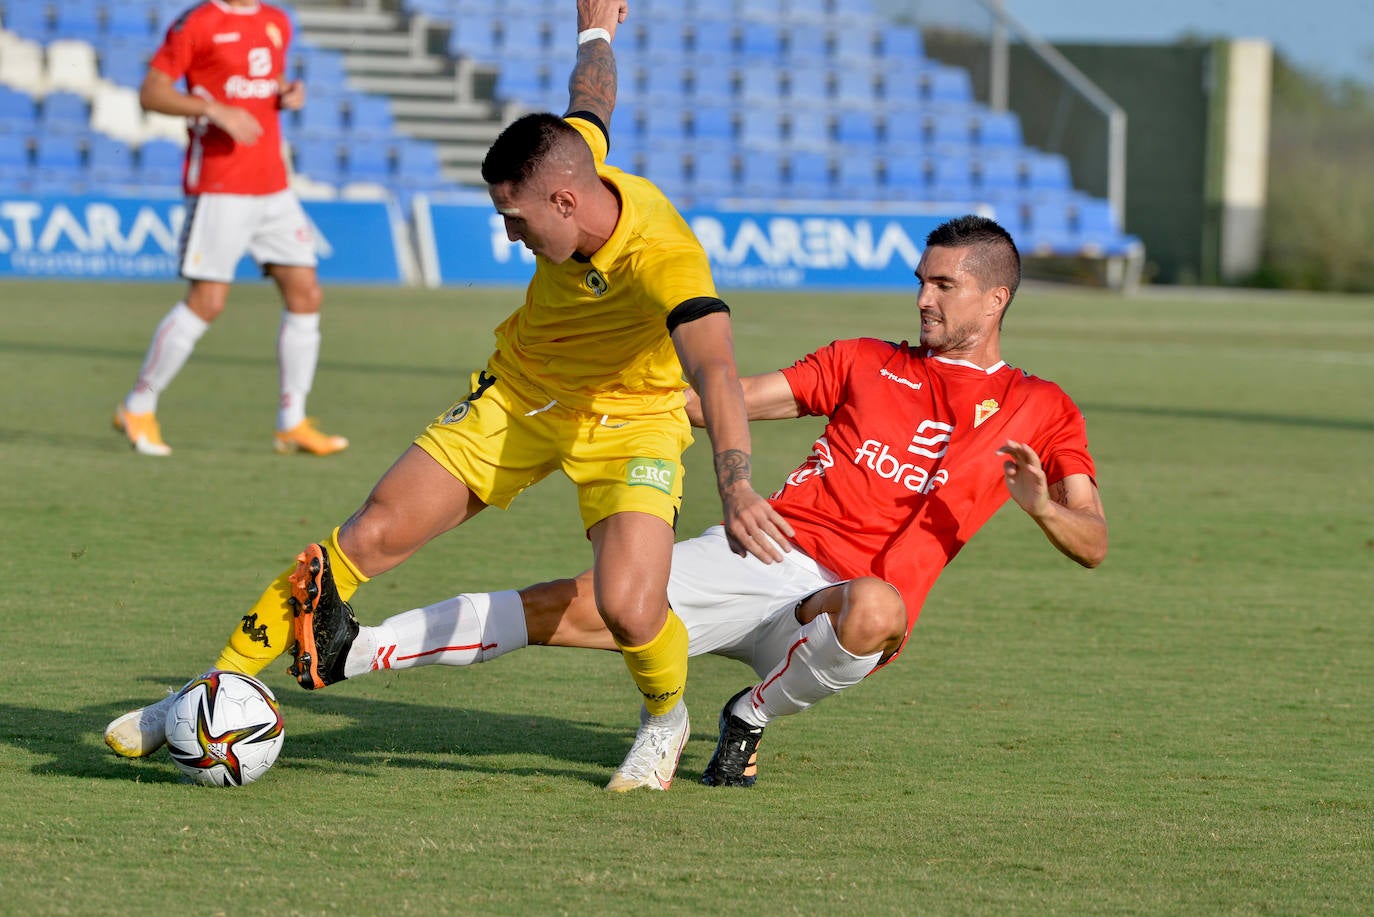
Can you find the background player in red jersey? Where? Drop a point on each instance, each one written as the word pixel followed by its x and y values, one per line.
pixel 232 56
pixel 922 445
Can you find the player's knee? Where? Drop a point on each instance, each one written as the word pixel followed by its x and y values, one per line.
pixel 874 617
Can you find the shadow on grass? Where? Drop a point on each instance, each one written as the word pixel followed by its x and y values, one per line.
pixel 378 734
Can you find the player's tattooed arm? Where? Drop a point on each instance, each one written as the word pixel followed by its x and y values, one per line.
pixel 1059 493
pixel 732 466
pixel 592 86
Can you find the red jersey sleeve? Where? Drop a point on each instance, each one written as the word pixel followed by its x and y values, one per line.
pixel 177 51
pixel 818 379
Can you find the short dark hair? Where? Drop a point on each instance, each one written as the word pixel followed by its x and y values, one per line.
pixel 522 147
pixel 994 261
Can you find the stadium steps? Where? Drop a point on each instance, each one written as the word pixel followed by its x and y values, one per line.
pixel 432 97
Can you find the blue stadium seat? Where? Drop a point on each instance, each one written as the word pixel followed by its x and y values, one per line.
pixel 322 115
pixel 950 178
pixel 110 161
pixel 711 175
pixel 950 130
pixel 369 115
pixel 1049 227
pixel 322 69
pixel 804 46
pixel 946 84
pixel 900 42
pixel 665 40
pixel 712 123
pixel 57 153
pixel 18 112
pixel 30 20
pixel 810 128
pixel 16 150
pixel 666 167
pixel 761 128
pixel 761 42
pixel 810 12
pixel 770 11
pixel 761 174
pixel 665 82
pixel 858 177
pixel 79 19
pixel 319 159
pixel 904 131
pixel 808 175
pixel 134 20
pixel 124 59
pixel 1046 172
pixel 856 128
pixel 808 85
pixel 759 85
pixel 997 129
pixel 853 46
pixel 368 161
pixel 856 87
pixel 64 113
pixel 713 41
pixel 712 84
pixel 664 124
pixel 159 162
pixel 997 178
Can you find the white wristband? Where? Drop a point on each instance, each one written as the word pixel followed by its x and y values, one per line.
pixel 587 35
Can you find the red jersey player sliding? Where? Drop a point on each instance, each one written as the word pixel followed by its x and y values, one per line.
pixel 232 56
pixel 922 445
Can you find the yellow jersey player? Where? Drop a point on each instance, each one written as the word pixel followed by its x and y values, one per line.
pixel 588 379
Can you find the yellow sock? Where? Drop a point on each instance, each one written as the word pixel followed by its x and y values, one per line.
pixel 265 632
pixel 659 667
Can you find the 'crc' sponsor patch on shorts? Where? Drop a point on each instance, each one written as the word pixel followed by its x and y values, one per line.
pixel 656 473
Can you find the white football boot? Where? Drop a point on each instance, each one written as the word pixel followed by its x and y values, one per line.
pixel 140 732
pixel 653 757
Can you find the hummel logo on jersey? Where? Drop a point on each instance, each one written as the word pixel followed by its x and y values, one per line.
pixel 916 386
pixel 223 38
pixel 931 439
pixel 878 458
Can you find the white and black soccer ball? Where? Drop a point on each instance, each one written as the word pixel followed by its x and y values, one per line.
pixel 224 729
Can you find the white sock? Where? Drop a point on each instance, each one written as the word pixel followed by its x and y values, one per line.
pixel 816 667
pixel 463 630
pixel 172 343
pixel 298 350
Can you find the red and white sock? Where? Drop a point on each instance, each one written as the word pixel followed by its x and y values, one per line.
pixel 298 352
pixel 463 630
pixel 816 667
pixel 170 348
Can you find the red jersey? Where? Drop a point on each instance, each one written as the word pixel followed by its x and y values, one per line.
pixel 235 55
pixel 907 468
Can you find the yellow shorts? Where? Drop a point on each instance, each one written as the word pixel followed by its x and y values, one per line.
pixel 499 441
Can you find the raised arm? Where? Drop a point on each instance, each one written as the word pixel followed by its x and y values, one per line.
pixel 592 85
pixel 706 350
pixel 1069 512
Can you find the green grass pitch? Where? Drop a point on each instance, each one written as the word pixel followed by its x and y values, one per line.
pixel 1188 729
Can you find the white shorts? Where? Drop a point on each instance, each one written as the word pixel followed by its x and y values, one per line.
pixel 221 228
pixel 738 606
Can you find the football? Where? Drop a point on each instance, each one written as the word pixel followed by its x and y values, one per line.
pixel 224 729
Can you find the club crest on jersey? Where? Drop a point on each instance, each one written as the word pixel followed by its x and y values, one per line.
pixel 982 412
pixel 596 282
pixel 274 34
pixel 655 473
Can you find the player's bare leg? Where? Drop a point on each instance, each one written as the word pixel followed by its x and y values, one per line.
pixel 633 552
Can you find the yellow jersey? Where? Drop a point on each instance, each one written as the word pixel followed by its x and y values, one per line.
pixel 592 334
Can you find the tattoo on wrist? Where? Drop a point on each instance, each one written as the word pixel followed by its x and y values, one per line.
pixel 732 466
pixel 593 82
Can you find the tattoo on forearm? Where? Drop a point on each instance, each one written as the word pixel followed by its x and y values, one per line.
pixel 732 465
pixel 592 84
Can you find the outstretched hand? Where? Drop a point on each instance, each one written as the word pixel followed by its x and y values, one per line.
pixel 753 526
pixel 1025 478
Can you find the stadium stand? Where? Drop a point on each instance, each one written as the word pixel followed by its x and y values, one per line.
pixel 790 100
